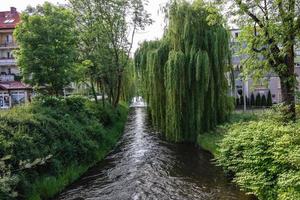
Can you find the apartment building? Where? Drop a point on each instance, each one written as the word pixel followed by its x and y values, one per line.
pixel 270 82
pixel 12 90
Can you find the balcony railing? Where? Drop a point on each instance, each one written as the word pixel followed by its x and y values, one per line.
pixel 8 77
pixel 8 45
pixel 7 61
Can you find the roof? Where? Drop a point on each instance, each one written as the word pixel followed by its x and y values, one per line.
pixel 13 85
pixel 9 19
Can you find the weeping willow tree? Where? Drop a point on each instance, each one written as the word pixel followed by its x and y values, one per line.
pixel 128 90
pixel 183 75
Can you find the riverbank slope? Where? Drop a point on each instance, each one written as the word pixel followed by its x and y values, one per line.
pixel 261 153
pixel 47 145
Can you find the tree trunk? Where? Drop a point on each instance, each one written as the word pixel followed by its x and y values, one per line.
pixel 94 91
pixel 117 99
pixel 103 93
pixel 287 81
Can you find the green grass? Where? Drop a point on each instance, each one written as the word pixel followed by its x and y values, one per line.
pixel 48 186
pixel 209 141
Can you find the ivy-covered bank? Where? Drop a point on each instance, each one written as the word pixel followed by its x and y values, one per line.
pixel 47 145
pixel 260 152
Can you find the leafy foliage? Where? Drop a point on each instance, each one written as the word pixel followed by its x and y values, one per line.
pixel 264 157
pixel 107 29
pixel 269 99
pixel 263 100
pixel 183 75
pixel 252 100
pixel 73 131
pixel 258 100
pixel 270 30
pixel 47 40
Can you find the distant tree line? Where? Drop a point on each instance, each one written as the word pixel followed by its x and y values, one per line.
pixel 257 100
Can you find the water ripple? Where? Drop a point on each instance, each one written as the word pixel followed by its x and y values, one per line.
pixel 144 167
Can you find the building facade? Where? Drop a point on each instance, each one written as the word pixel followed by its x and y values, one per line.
pixel 12 90
pixel 270 82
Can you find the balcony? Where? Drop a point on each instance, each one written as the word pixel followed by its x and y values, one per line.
pixel 7 62
pixel 8 45
pixel 7 77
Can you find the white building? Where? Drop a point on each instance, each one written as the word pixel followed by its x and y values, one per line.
pixel 270 82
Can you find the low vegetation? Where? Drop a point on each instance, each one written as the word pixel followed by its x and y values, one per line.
pixel 260 152
pixel 47 145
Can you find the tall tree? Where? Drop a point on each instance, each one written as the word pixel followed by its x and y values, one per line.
pixel 108 28
pixel 271 29
pixel 47 41
pixel 184 73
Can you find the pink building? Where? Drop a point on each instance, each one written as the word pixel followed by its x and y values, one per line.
pixel 12 90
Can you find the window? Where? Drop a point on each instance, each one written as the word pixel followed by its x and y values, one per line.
pixel 9 21
pixel 17 98
pixel 9 38
pixel 236 35
pixel 8 54
pixel 4 100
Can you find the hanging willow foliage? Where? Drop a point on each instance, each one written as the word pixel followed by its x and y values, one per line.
pixel 128 90
pixel 183 75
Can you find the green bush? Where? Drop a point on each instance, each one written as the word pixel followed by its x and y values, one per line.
pixel 252 100
pixel 263 101
pixel 269 99
pixel 237 101
pixel 264 157
pixel 258 100
pixel 73 131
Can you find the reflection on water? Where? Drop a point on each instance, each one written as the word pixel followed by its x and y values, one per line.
pixel 145 167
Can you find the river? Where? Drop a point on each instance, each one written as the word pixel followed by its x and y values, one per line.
pixel 145 167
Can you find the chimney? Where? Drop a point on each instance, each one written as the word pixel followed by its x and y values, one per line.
pixel 13 10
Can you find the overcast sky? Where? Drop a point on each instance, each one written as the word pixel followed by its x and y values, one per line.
pixel 152 32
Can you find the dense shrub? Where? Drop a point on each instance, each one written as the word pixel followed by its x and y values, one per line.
pixel 237 102
pixel 269 99
pixel 264 156
pixel 263 100
pixel 241 100
pixel 258 100
pixel 72 131
pixel 252 100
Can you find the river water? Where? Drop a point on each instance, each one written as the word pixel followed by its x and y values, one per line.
pixel 143 166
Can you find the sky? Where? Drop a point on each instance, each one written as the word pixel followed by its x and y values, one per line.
pixel 154 31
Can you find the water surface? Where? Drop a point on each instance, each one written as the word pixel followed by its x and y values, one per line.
pixel 143 166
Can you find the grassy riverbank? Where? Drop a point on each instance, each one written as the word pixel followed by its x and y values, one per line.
pixel 47 145
pixel 260 152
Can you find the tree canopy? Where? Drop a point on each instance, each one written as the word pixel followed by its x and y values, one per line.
pixel 47 40
pixel 183 75
pixel 107 29
pixel 271 30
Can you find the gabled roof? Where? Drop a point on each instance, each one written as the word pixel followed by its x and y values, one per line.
pixel 9 19
pixel 13 85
